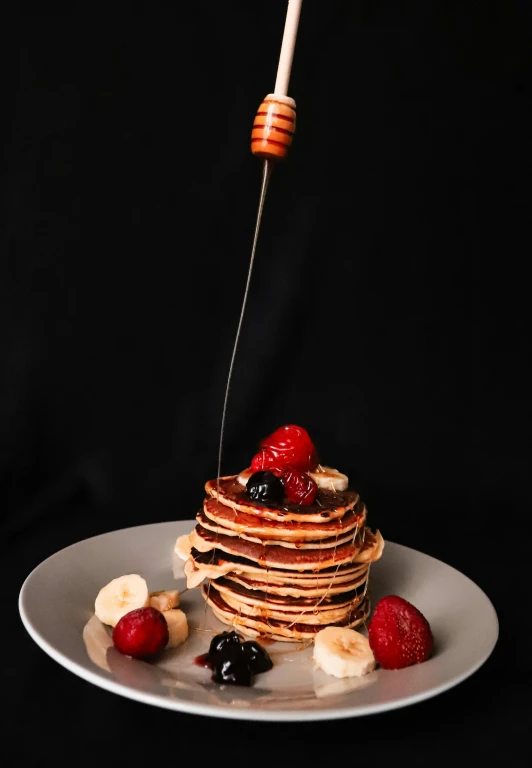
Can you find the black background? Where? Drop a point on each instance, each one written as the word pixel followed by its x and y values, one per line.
pixel 388 314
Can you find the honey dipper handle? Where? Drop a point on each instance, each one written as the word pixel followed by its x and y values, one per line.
pixel 275 122
pixel 287 47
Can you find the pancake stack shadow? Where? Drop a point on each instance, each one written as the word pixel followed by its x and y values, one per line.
pixel 282 571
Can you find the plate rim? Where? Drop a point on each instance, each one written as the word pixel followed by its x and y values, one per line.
pixel 227 712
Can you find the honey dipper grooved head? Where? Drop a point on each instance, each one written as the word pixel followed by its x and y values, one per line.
pixel 273 127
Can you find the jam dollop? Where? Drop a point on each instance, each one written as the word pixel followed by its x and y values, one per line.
pixel 234 662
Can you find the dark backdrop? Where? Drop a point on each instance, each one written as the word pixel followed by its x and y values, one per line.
pixel 388 311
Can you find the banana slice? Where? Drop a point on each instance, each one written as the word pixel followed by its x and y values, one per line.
pixel 329 479
pixel 182 547
pixel 325 477
pixel 119 597
pixel 164 600
pixel 177 627
pixel 343 652
pixel 244 476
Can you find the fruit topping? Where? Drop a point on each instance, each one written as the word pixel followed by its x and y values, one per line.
pixel 257 657
pixel 343 652
pixel 265 486
pixel 265 459
pixel 299 486
pixel 142 633
pixel 221 641
pixel 119 597
pixel 330 479
pixel 164 600
pixel 182 547
pixel 287 446
pixel 231 666
pixel 399 634
pixel 177 627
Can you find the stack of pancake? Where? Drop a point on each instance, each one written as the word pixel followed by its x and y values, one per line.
pixel 282 570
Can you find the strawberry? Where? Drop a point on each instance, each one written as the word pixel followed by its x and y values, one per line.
pixel 299 486
pixel 142 633
pixel 399 634
pixel 265 460
pixel 287 446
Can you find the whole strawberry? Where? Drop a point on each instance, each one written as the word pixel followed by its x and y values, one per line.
pixel 287 446
pixel 142 633
pixel 399 634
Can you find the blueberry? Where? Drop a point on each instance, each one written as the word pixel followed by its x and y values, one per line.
pixel 265 486
pixel 231 666
pixel 257 658
pixel 221 641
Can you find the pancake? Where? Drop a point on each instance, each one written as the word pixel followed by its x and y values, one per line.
pixel 372 547
pixel 327 543
pixel 197 571
pixel 282 569
pixel 328 505
pixel 308 577
pixel 282 530
pixel 203 565
pixel 323 618
pixel 275 628
pixel 325 609
pixel 269 600
pixel 276 556
pixel 331 586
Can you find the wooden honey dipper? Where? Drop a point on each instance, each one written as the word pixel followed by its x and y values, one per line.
pixel 271 136
pixel 275 122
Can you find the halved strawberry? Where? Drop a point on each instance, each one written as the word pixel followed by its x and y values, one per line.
pixel 399 634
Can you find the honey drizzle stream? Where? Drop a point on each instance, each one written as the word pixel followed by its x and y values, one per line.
pixel 266 173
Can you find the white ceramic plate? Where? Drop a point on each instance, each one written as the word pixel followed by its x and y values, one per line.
pixel 57 602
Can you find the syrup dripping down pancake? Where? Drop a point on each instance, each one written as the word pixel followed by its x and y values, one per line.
pixel 325 543
pixel 275 628
pixel 215 563
pixel 307 588
pixel 276 556
pixel 276 575
pixel 270 601
pixel 323 618
pixel 282 530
